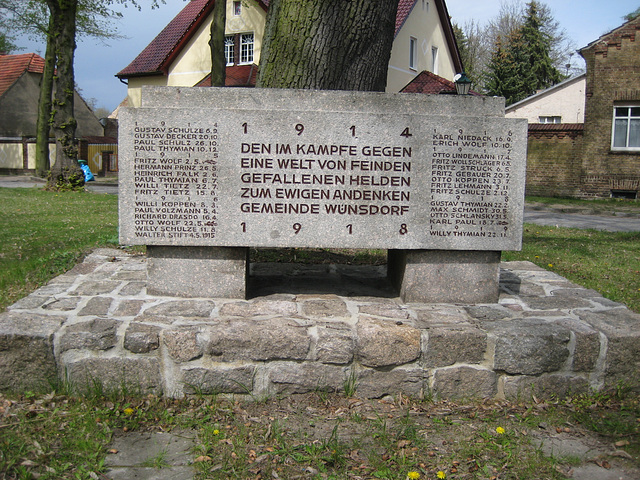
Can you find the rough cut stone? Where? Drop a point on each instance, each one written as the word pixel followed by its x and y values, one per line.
pixel 141 338
pixel 383 343
pixel 132 288
pixel 211 381
pixel 545 386
pixel 27 361
pixel 98 287
pixel 182 343
pixel 139 376
pixel 458 344
pixel 335 344
pixel 329 308
pixel 182 308
pixel 620 326
pixel 386 310
pixel 128 308
pixel 587 344
pixel 278 338
pixel 302 378
pixel 529 347
pixel 259 307
pixel 29 302
pixel 377 383
pixel 556 302
pixel 96 334
pixel 63 305
pixel 96 306
pixel 464 383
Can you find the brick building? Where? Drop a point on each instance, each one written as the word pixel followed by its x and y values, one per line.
pixel 611 144
pixel 600 157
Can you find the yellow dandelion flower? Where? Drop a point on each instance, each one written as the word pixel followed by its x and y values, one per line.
pixel 413 475
pixel 441 475
pixel 128 411
pixel 216 432
pixel 551 265
pixel 500 430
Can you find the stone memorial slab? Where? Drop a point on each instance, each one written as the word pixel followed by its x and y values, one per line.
pixel 287 168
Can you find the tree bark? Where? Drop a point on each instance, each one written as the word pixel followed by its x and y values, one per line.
pixel 43 123
pixel 327 44
pixel 65 172
pixel 218 60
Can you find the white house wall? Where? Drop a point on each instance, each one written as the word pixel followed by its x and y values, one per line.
pixel 564 100
pixel 194 61
pixel 423 24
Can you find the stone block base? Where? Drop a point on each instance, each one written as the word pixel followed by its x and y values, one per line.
pixel 197 271
pixel 445 276
pixel 545 337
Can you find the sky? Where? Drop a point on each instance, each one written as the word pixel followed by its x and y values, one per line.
pixel 97 62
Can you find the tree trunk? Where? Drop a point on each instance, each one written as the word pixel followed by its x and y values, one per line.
pixel 218 60
pixel 65 173
pixel 43 124
pixel 328 44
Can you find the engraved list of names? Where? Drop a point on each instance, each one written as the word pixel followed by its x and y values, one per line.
pixel 319 179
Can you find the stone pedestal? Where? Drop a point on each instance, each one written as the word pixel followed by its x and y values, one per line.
pixel 445 276
pixel 197 271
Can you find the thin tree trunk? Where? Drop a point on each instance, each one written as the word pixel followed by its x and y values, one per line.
pixel 65 173
pixel 43 124
pixel 328 44
pixel 218 60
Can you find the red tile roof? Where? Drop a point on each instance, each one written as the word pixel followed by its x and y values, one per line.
pixel 236 76
pixel 427 82
pixel 404 9
pixel 13 66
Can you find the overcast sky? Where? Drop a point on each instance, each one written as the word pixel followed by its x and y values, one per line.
pixel 96 63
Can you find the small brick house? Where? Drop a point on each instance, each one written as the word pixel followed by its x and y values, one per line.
pixel 600 157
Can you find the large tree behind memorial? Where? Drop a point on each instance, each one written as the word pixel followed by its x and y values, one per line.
pixel 327 44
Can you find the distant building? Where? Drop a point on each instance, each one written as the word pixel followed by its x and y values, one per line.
pixel 20 78
pixel 584 133
pixel 180 54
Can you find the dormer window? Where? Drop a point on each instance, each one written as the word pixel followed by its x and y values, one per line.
pixel 237 9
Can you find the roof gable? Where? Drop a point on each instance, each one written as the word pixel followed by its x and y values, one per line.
pixel 12 67
pixel 160 53
pixel 614 38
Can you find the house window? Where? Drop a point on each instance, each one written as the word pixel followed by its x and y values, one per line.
pixel 237 8
pixel 413 53
pixel 229 49
pixel 549 119
pixel 626 128
pixel 246 48
pixel 434 60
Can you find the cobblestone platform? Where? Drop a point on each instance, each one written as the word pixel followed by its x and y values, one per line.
pixel 322 327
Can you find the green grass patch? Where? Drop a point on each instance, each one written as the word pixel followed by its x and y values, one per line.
pixel 608 262
pixel 308 436
pixel 44 234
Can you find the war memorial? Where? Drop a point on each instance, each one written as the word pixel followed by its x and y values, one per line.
pixel 436 180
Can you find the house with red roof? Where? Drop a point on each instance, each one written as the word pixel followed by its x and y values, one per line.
pixel 20 77
pixel 180 55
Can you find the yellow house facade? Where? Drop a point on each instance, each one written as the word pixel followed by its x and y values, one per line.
pixel 180 54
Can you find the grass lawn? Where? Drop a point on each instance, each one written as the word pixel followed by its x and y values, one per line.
pixel 317 436
pixel 43 234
